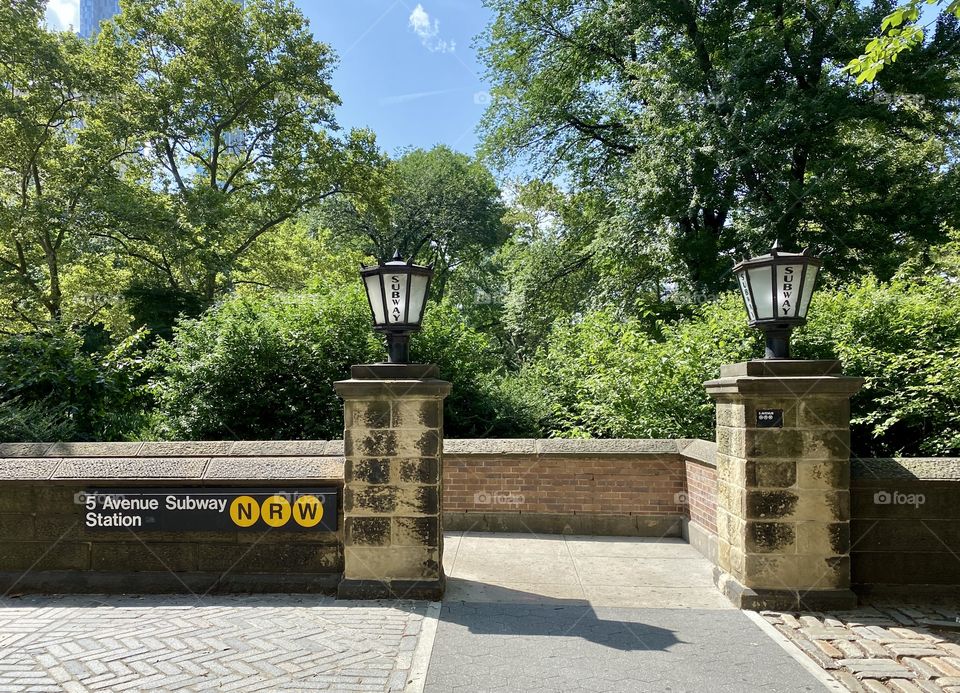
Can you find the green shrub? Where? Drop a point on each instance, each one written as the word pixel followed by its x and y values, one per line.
pixel 484 402
pixel 608 378
pixel 603 377
pixel 52 388
pixel 263 367
pixel 903 337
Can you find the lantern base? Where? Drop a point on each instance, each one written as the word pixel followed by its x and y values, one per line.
pixel 777 343
pixel 398 347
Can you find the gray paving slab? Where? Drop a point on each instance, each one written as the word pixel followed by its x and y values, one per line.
pixel 560 645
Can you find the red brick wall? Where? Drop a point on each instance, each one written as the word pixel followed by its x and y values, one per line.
pixel 702 494
pixel 650 485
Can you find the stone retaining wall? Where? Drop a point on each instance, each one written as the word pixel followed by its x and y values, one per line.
pixel 908 536
pixel 904 519
pixel 905 524
pixel 45 545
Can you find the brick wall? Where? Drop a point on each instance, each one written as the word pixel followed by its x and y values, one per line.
pixel 701 480
pixel 589 486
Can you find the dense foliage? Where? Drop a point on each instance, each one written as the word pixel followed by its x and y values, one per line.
pixel 181 220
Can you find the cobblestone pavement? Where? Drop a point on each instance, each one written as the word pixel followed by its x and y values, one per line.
pixel 237 643
pixel 882 647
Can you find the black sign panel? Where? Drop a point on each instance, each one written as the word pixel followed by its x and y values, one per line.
pixel 769 418
pixel 210 509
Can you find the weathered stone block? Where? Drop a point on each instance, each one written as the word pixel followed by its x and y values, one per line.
pixel 17 527
pixel 419 471
pixel 367 531
pixel 391 500
pixel 770 473
pixel 367 413
pixel 825 412
pixel 272 558
pixel 731 415
pixel 770 537
pixel 771 504
pixel 367 471
pixel 416 531
pixel 37 555
pixel 136 557
pixel 823 474
pixel 369 443
pixel 391 563
pixel 823 538
pixel 17 499
pixel 409 413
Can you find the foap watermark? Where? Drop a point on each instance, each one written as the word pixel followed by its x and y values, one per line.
pixel 498 498
pixel 898 498
pixel 915 101
pixel 485 98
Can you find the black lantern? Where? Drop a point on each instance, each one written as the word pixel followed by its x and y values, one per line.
pixel 397 292
pixel 776 290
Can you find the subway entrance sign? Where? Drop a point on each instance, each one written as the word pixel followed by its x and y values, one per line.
pixel 210 509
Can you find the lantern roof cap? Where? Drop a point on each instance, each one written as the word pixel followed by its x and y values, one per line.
pixel 776 253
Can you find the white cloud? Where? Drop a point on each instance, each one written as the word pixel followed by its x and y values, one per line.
pixel 63 14
pixel 429 31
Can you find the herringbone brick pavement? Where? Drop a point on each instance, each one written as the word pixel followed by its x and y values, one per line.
pixel 236 643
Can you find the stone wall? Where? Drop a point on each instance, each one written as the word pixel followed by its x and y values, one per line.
pixel 904 520
pixel 905 514
pixel 905 524
pixel 615 487
pixel 45 545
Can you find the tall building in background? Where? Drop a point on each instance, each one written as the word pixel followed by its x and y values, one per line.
pixel 92 12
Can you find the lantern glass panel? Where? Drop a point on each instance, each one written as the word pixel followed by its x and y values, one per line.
pixel 808 283
pixel 375 294
pixel 745 290
pixel 418 292
pixel 761 286
pixel 788 289
pixel 397 288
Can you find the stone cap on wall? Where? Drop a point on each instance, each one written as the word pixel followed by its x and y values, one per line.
pixel 698 450
pixel 203 462
pixel 252 460
pixel 917 468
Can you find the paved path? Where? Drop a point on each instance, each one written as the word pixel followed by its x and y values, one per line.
pixel 523 613
pixel 555 613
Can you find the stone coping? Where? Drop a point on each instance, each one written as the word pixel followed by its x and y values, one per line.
pixel 200 470
pixel 697 450
pixel 219 461
pixel 916 468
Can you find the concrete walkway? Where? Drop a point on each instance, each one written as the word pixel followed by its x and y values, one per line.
pixel 555 613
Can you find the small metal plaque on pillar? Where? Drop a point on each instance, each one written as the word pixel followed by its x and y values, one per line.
pixel 769 418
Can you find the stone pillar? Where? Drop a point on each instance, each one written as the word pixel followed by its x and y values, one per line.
pixel 393 471
pixel 783 484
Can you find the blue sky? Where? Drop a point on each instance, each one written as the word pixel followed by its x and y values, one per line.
pixel 407 69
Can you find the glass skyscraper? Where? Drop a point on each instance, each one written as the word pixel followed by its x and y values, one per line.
pixel 92 12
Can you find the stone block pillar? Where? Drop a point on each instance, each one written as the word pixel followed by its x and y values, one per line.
pixel 393 471
pixel 783 484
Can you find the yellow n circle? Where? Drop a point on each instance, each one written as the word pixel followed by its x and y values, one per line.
pixel 244 511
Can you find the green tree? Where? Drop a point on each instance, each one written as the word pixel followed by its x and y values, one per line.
pixel 236 111
pixel 438 206
pixel 902 31
pixel 62 131
pixel 714 128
